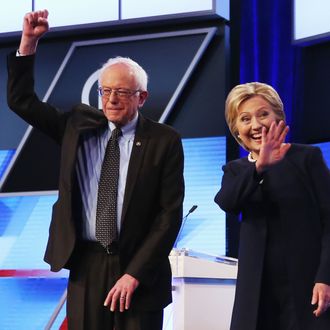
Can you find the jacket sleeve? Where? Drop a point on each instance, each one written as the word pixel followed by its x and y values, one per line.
pixel 241 185
pixel 22 99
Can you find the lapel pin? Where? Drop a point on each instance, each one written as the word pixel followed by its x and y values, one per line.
pixel 138 144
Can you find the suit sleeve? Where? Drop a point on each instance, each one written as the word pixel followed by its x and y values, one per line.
pixel 166 224
pixel 22 99
pixel 240 186
pixel 320 176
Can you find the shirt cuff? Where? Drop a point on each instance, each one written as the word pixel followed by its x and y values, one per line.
pixel 18 54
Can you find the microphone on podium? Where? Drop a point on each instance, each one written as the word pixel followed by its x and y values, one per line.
pixel 193 208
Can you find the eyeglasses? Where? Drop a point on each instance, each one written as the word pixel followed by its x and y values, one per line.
pixel 119 92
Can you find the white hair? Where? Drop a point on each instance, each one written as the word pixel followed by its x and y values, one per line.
pixel 139 73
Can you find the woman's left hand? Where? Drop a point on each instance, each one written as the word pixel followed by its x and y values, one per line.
pixel 273 148
pixel 321 297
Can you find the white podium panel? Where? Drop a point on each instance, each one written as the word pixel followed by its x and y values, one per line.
pixel 203 290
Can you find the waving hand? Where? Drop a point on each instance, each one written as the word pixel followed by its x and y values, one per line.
pixel 273 148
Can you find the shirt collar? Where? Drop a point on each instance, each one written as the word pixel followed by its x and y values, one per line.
pixel 129 128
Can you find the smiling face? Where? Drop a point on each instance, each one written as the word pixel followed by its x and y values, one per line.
pixel 253 114
pixel 121 109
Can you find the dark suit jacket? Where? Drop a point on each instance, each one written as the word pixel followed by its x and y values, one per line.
pixel 152 208
pixel 295 192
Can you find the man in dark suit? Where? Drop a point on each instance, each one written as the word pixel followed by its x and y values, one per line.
pixel 125 283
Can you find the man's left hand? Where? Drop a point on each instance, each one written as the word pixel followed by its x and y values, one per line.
pixel 121 292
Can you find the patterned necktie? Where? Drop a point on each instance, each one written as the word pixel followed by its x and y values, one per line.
pixel 106 210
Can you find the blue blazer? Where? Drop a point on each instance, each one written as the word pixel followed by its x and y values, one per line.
pixel 298 196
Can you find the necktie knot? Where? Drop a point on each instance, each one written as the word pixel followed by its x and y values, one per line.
pixel 116 133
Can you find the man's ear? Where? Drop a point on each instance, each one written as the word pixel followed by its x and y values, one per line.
pixel 142 98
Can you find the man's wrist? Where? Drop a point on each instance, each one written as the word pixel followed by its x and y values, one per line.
pixel 18 53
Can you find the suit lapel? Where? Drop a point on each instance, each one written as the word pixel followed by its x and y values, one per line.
pixel 139 148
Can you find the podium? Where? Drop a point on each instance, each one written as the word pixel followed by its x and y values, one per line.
pixel 203 290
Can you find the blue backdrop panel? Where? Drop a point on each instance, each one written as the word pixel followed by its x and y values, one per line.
pixel 28 303
pixel 5 157
pixel 205 229
pixel 25 219
pixel 24 230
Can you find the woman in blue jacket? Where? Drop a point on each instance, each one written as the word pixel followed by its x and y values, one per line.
pixel 282 192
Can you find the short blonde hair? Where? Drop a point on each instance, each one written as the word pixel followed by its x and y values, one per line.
pixel 243 92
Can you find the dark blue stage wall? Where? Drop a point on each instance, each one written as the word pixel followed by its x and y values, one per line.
pixel 267 54
pixel 299 72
